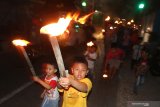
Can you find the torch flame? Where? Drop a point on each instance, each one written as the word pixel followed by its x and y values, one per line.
pixel 90 43
pixel 83 19
pixel 59 28
pixel 75 16
pixel 56 29
pixel 20 42
pixel 105 75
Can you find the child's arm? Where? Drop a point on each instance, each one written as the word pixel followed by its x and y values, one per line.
pixel 66 82
pixel 37 79
pixel 78 85
pixel 86 53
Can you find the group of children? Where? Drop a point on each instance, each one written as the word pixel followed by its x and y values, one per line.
pixel 75 87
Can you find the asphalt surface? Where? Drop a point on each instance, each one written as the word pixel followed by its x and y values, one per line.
pixel 114 92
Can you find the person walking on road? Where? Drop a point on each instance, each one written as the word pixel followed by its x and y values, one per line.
pixel 141 70
pixel 113 60
pixel 76 87
pixel 91 56
pixel 50 94
pixel 136 53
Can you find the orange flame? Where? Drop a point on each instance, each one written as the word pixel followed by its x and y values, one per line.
pixel 58 28
pixel 83 19
pixel 75 16
pixel 20 42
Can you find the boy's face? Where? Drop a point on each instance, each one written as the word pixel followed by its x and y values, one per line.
pixel 49 69
pixel 79 70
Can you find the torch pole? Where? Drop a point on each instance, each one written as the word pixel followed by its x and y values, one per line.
pixel 28 60
pixel 58 55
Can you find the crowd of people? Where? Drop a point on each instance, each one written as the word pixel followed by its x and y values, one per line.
pixel 126 44
pixel 120 45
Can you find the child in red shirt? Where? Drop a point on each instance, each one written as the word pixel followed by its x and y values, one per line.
pixel 50 94
pixel 113 60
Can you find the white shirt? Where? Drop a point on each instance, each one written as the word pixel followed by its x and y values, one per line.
pixel 52 93
pixel 92 56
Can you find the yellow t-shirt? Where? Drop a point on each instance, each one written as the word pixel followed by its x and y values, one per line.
pixel 75 98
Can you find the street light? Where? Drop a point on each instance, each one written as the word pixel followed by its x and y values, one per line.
pixel 84 4
pixel 141 5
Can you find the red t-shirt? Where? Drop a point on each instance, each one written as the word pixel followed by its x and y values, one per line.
pixel 53 84
pixel 116 54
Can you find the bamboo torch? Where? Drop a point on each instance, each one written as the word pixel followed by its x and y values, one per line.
pixel 57 29
pixel 20 44
pixel 53 30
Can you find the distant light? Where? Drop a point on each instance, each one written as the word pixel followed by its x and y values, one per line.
pixel 84 4
pixel 108 18
pixel 96 11
pixel 120 22
pixel 129 23
pixel 76 26
pixel 90 43
pixel 111 27
pixel 132 21
pixel 116 22
pixel 105 75
pixel 141 6
pixel 103 30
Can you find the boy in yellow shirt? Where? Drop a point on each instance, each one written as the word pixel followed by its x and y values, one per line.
pixel 76 87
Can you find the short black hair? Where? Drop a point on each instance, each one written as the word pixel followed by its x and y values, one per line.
pixel 49 62
pixel 80 59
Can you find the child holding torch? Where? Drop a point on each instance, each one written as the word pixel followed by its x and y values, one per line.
pixel 76 87
pixel 50 94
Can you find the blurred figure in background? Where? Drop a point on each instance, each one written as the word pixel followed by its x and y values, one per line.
pixel 91 56
pixel 141 70
pixel 136 53
pixel 114 58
